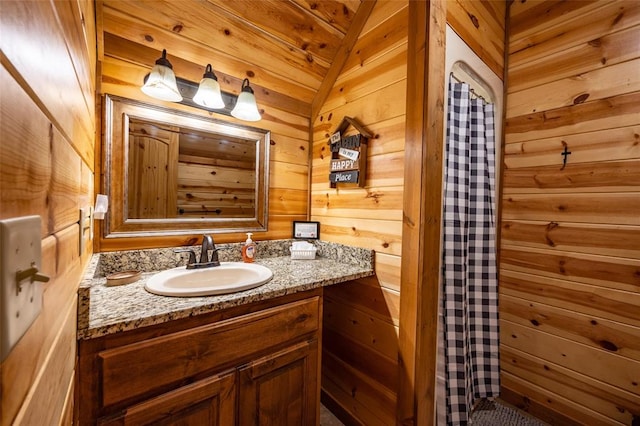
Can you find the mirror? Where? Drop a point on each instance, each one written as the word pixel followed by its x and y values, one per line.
pixel 170 172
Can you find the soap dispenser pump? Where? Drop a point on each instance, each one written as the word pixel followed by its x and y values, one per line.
pixel 249 249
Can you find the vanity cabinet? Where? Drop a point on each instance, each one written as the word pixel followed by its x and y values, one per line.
pixel 254 364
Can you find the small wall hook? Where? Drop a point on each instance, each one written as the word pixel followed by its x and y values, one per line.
pixel 565 154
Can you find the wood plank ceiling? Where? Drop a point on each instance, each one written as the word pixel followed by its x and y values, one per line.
pixel 287 48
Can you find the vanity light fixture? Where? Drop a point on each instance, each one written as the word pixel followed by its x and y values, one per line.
pixel 246 108
pixel 208 94
pixel 161 83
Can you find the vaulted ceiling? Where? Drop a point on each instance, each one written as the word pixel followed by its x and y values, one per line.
pixel 291 50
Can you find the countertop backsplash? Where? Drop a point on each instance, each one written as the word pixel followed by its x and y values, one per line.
pixel 152 260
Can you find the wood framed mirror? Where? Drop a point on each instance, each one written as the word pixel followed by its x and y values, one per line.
pixel 168 172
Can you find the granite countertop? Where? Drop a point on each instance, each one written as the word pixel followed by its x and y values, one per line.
pixel 104 310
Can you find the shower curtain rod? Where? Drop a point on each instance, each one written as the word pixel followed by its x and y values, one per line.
pixel 473 92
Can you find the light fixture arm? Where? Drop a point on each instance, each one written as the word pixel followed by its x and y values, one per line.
pixel 208 73
pixel 246 88
pixel 163 60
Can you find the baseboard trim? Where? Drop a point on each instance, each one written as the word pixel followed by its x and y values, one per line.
pixel 338 410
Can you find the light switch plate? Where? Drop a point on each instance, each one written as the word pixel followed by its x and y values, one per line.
pixel 20 248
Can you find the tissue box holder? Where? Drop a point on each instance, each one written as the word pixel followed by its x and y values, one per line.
pixel 303 254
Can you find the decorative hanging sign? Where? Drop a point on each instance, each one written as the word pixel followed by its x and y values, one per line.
pixel 348 154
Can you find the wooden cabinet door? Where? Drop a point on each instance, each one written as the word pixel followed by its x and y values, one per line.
pixel 210 402
pixel 281 389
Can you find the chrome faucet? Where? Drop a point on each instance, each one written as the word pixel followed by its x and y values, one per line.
pixel 205 261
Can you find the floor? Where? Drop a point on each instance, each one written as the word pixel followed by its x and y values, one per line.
pixel 488 413
pixel 327 418
pixel 498 413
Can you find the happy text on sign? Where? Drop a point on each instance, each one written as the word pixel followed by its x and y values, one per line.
pixel 344 164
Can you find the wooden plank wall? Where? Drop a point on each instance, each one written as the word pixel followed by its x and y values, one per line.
pixel 288 157
pixel 47 134
pixel 570 260
pixel 481 24
pixel 360 356
pixel 360 339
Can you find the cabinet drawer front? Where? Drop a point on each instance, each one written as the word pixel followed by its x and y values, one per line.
pixel 136 370
pixel 210 401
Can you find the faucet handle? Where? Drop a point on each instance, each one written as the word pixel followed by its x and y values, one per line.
pixel 192 254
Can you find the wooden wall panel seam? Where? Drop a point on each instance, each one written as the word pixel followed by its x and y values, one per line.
pixel 611 17
pixel 577 413
pixel 383 12
pixel 573 355
pixel 526 18
pixel 486 38
pixel 592 330
pixel 39 404
pixel 359 413
pixel 589 86
pixel 384 104
pixel 378 368
pixel 605 285
pixel 366 393
pixel 599 53
pixel 363 309
pixel 379 335
pixel 71 25
pixel 48 92
pixel 606 240
pixel 624 400
pixel 579 277
pixel 342 56
pixel 587 299
pixel 378 42
pixel 381 72
pixel 606 113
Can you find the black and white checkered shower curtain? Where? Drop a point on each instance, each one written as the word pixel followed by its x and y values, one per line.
pixel 470 286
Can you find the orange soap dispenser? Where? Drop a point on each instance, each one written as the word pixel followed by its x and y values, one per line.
pixel 249 249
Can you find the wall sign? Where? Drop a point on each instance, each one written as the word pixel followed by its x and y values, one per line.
pixel 348 154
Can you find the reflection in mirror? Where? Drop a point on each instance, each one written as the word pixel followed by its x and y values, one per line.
pixel 172 172
pixel 180 172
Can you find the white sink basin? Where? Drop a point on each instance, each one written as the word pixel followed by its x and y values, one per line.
pixel 229 277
